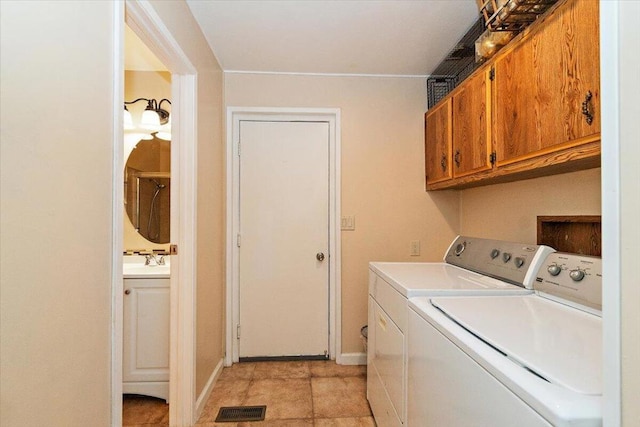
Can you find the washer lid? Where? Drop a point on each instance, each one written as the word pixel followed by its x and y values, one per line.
pixel 438 278
pixel 559 343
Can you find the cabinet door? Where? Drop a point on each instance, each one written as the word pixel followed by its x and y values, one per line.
pixel 437 146
pixel 471 126
pixel 541 85
pixel 146 330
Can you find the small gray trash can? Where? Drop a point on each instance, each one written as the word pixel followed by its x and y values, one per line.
pixel 364 334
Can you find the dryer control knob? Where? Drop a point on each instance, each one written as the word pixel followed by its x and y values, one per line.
pixel 576 275
pixel 506 257
pixel 495 253
pixel 519 261
pixel 460 247
pixel 554 269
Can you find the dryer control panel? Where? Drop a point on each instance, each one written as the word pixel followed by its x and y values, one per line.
pixel 577 278
pixel 512 262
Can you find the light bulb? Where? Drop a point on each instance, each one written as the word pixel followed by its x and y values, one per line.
pixel 150 120
pixel 127 121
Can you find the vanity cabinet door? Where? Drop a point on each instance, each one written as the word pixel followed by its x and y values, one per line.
pixel 471 126
pixel 438 143
pixel 146 330
pixel 547 89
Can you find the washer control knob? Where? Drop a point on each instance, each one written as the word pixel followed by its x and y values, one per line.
pixel 506 257
pixel 519 261
pixel 495 253
pixel 460 247
pixel 576 275
pixel 554 269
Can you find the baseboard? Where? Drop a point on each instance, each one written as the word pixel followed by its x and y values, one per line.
pixel 206 392
pixel 352 359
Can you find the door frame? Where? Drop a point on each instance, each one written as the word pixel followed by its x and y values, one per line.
pixel 142 18
pixel 234 116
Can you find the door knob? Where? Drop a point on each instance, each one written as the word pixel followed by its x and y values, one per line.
pixel 320 256
pixel 127 292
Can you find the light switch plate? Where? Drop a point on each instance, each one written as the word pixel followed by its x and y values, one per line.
pixel 348 222
pixel 415 248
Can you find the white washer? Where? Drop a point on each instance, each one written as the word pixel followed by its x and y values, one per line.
pixel 527 360
pixel 471 266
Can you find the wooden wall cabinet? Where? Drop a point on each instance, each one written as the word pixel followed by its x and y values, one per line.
pixel 438 151
pixel 472 126
pixel 538 115
pixel 458 132
pixel 541 86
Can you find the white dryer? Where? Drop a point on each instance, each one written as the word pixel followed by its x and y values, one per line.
pixel 472 266
pixel 527 360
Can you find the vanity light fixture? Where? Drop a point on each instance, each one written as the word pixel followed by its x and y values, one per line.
pixel 153 118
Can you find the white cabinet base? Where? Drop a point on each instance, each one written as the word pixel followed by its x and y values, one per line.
pixel 145 364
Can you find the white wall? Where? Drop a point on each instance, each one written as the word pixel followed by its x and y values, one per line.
pixel 630 210
pixel 620 69
pixel 382 172
pixel 56 194
pixel 57 208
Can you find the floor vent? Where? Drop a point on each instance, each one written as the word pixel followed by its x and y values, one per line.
pixel 230 414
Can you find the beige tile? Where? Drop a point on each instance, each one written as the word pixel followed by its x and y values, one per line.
pixel 224 393
pixel 335 397
pixel 238 371
pixel 143 410
pixel 285 398
pixel 330 368
pixel 345 422
pixel 265 370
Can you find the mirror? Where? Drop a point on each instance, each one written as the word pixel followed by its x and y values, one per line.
pixel 147 179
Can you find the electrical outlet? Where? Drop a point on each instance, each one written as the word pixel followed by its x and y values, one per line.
pixel 348 222
pixel 415 248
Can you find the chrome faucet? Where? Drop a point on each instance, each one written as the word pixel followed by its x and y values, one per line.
pixel 156 261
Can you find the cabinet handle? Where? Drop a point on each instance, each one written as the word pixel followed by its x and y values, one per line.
pixel 127 292
pixel 586 110
pixel 443 162
pixel 456 158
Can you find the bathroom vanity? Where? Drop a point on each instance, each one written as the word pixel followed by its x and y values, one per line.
pixel 145 361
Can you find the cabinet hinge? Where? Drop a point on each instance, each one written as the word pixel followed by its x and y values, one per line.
pixel 238 331
pixel 238 148
pixel 492 158
pixel 492 74
pixel 238 239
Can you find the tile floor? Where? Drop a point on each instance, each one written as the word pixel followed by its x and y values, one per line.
pixel 301 393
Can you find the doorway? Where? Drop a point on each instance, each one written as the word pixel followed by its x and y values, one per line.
pixel 283 233
pixel 142 18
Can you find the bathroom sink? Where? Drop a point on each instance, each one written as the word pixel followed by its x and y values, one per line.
pixel 133 267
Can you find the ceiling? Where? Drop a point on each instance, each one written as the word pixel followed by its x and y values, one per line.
pixel 381 37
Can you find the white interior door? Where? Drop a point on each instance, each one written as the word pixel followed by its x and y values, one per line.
pixel 284 234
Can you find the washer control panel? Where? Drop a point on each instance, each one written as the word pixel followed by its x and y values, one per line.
pixel 577 278
pixel 512 262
